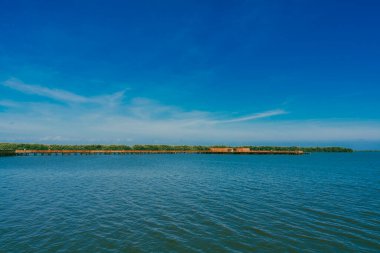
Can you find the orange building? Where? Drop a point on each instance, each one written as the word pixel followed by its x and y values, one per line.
pixel 222 150
pixel 242 150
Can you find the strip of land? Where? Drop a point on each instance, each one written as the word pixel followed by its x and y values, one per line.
pixel 125 152
pixel 8 149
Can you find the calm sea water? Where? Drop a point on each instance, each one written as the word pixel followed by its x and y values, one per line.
pixel 190 203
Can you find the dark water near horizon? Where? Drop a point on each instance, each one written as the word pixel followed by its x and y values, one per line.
pixel 190 203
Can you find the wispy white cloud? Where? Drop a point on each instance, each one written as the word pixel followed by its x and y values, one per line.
pixel 56 94
pixel 61 95
pixel 138 108
pixel 260 115
pixel 141 120
pixel 8 103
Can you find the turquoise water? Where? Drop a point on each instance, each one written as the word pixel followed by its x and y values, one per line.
pixel 190 203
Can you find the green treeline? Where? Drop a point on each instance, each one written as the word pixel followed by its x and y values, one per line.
pixel 305 149
pixel 28 146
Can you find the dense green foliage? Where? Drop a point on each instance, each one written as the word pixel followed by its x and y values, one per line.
pixel 170 147
pixel 326 149
pixel 14 146
pixel 305 149
pixel 7 152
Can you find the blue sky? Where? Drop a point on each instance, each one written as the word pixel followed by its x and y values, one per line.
pixel 191 72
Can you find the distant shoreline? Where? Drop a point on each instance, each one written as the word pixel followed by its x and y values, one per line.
pixel 140 152
pixel 48 149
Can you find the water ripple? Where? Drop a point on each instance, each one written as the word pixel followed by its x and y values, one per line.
pixel 190 203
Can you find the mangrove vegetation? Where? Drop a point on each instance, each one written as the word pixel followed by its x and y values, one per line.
pixel 29 146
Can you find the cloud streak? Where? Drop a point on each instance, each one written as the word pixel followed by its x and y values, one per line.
pixel 82 119
pixel 139 107
pixel 260 115
pixel 61 95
